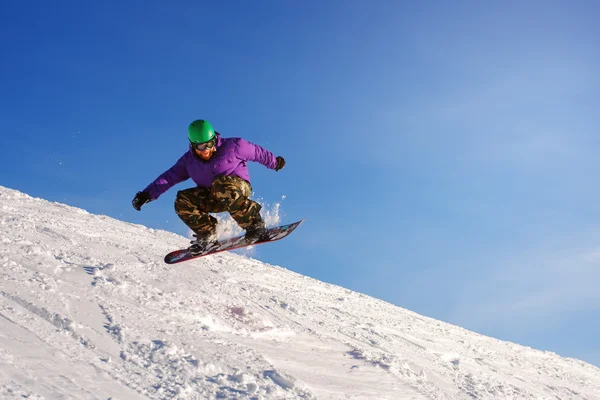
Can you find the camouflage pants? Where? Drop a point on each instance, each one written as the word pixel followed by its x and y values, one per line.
pixel 228 193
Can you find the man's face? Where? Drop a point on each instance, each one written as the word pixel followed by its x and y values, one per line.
pixel 204 150
pixel 205 154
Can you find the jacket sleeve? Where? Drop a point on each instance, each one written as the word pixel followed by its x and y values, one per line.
pixel 177 173
pixel 251 152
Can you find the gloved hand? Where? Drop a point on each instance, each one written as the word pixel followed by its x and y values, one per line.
pixel 140 199
pixel 280 163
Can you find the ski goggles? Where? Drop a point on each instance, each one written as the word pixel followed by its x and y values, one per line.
pixel 203 146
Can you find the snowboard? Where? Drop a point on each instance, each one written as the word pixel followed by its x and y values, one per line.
pixel 273 234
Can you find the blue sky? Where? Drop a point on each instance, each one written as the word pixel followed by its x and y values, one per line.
pixel 444 155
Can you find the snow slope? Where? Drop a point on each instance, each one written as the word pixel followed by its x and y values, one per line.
pixel 89 311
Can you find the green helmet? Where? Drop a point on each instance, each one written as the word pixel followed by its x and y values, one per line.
pixel 200 131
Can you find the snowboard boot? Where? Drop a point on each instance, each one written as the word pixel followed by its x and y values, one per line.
pixel 204 241
pixel 257 232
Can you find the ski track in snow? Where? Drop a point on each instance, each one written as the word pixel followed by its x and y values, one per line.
pixel 88 310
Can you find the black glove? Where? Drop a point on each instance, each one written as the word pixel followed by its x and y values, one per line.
pixel 280 163
pixel 140 199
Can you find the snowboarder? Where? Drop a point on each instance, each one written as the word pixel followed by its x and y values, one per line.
pixel 218 167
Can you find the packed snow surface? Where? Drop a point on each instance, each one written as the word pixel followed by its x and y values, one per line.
pixel 90 311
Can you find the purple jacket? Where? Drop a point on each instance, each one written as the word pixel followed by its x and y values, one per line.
pixel 230 158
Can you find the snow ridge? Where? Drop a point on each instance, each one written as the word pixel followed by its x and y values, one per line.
pixel 89 311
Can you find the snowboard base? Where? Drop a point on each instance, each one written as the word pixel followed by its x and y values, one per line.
pixel 273 234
